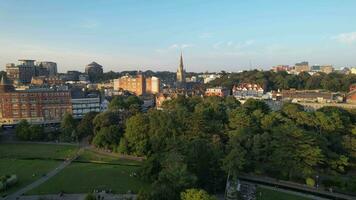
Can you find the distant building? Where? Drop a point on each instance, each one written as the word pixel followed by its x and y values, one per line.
pixel 209 77
pixel 247 90
pixel 38 106
pixel 51 67
pixel 138 85
pixel 21 73
pixel 153 85
pixel 217 91
pixel 353 70
pixel 327 69
pixel 43 80
pixel 94 69
pixel 311 96
pixel 302 67
pixel 84 103
pixel 280 68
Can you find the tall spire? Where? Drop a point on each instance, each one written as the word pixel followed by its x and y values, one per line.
pixel 180 71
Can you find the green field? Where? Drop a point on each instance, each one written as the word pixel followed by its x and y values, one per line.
pixel 27 171
pixel 85 177
pixel 92 156
pixel 268 194
pixel 30 161
pixel 42 151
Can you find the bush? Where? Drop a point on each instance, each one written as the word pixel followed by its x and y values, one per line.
pixel 90 196
pixel 310 182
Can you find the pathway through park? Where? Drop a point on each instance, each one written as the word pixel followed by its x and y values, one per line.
pixel 64 164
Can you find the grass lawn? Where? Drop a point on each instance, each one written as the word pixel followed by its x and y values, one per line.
pixel 85 177
pixel 92 156
pixel 27 171
pixel 46 151
pixel 267 194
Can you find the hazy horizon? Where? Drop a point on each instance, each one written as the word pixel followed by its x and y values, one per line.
pixel 213 35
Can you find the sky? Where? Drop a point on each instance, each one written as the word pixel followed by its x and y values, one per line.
pixel 150 34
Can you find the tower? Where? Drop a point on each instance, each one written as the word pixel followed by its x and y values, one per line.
pixel 180 71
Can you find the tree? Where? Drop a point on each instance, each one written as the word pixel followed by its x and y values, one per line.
pixel 136 134
pixel 68 127
pixel 196 194
pixel 22 130
pixel 173 178
pixel 86 126
pixel 118 102
pixel 107 137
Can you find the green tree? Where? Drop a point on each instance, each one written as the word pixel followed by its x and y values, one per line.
pixel 196 194
pixel 136 134
pixel 107 137
pixel 86 126
pixel 22 130
pixel 68 127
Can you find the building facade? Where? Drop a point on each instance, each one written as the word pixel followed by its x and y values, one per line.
pixel 93 69
pixel 81 106
pixel 247 90
pixel 139 85
pixel 22 73
pixel 38 106
pixel 51 67
pixel 217 91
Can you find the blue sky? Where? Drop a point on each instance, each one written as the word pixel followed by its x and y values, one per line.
pixel 149 34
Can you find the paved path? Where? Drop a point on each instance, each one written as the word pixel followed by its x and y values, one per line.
pixel 43 179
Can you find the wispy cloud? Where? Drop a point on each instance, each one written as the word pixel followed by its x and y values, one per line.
pixel 233 45
pixel 174 47
pixel 180 46
pixel 347 38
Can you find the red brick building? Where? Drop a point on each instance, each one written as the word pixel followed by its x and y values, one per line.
pixel 37 106
pixel 217 91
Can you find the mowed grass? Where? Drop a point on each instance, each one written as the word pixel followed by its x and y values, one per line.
pixel 27 171
pixel 41 151
pixel 268 194
pixel 89 155
pixel 31 161
pixel 86 177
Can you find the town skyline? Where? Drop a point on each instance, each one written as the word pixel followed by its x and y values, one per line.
pixel 129 35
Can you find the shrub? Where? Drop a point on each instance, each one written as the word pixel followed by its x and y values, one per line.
pixel 310 182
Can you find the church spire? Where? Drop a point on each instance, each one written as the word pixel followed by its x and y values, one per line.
pixel 180 71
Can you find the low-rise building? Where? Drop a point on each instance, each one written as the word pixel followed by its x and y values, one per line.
pixel 217 91
pixel 311 96
pixel 247 90
pixel 84 103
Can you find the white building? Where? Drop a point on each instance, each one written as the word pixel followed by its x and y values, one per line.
pixel 81 106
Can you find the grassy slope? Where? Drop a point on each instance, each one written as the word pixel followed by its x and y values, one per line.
pixel 26 170
pixel 13 161
pixel 47 151
pixel 267 194
pixel 85 177
pixel 91 156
